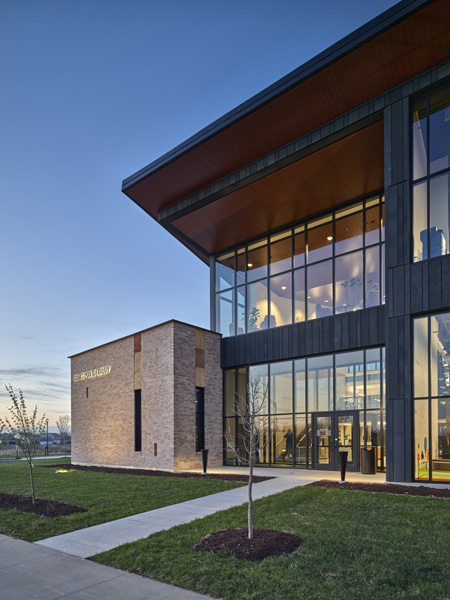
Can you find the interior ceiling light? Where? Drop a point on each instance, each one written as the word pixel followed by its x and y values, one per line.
pixel 329 238
pixel 250 265
pixel 283 287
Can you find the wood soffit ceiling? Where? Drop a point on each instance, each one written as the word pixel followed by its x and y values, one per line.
pixel 350 168
pixel 414 45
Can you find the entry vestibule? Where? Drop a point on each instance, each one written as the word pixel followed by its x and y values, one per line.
pixel 335 432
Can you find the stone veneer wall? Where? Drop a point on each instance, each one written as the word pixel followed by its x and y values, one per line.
pixel 173 359
pixel 157 398
pixel 197 364
pixel 103 422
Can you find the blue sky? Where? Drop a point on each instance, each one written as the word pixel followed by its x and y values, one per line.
pixel 93 90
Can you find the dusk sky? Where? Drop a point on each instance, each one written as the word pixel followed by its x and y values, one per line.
pixel 92 91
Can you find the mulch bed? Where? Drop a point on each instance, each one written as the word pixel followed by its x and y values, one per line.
pixel 235 542
pixel 123 471
pixel 42 508
pixel 386 488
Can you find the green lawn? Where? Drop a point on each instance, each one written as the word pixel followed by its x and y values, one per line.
pixel 357 545
pixel 106 496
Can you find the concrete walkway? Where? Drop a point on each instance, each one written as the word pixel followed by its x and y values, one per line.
pixel 31 571
pixel 99 538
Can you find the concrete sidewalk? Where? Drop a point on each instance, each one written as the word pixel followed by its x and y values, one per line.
pixel 99 538
pixel 31 571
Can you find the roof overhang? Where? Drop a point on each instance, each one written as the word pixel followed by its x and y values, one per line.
pixel 401 43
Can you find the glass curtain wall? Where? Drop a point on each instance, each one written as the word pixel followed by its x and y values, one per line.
pixel 294 390
pixel 431 380
pixel 431 174
pixel 326 266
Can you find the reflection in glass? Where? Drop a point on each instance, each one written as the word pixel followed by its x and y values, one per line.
pixel 374 433
pixel 419 135
pixel 241 266
pixel 283 440
pixel 420 358
pixel 372 277
pixel 300 385
pixel 345 435
pixel 262 427
pixel 320 383
pixel 373 378
pixel 301 440
pixel 383 374
pixel 299 247
pixel 320 290
pixel 260 373
pixel 439 200
pixel 349 282
pixel 225 271
pixel 439 357
pixel 280 253
pixel 440 436
pixel 372 226
pixel 420 222
pixel 225 313
pixel 320 240
pixel 240 299
pixel 348 230
pixel 281 387
pixel 382 220
pixel 349 374
pixel 230 443
pixel 257 306
pixel 241 389
pixel 323 440
pixel 257 261
pixel 280 300
pixel 383 275
pixel 440 130
pixel 299 295
pixel 229 392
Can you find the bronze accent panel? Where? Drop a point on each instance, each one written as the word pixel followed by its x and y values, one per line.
pixel 199 358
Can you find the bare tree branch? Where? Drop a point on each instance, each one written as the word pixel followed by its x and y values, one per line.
pixel 27 430
pixel 253 433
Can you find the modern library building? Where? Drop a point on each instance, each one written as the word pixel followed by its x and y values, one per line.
pixel 322 206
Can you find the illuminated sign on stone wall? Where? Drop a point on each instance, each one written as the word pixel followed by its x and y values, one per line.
pixel 93 373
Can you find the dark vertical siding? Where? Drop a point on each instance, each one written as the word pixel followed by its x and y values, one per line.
pixel 349 331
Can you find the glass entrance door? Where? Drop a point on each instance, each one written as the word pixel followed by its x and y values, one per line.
pixel 335 432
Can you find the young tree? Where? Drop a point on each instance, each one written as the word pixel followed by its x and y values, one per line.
pixel 253 434
pixel 27 429
pixel 63 425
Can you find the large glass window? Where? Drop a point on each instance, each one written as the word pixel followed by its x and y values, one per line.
pixel 431 171
pixel 257 313
pixel 320 383
pixel 326 266
pixel 281 299
pixel 432 397
pixel 320 290
pixel 350 381
pixel 281 388
pixel 349 284
pixel 294 389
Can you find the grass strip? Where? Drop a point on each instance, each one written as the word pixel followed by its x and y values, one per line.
pixel 107 497
pixel 357 546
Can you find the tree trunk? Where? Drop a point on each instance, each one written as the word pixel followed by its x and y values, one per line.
pixel 250 498
pixel 32 482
